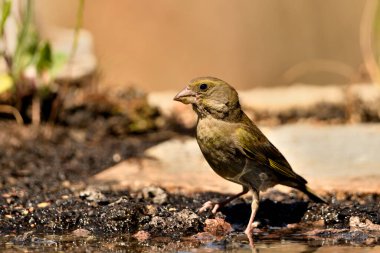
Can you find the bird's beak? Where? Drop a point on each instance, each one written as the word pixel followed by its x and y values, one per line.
pixel 186 96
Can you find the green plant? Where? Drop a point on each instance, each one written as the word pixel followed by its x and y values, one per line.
pixel 33 66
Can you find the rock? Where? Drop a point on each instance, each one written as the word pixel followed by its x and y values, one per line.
pixel 84 62
pixel 158 222
pixel 157 194
pixel 330 157
pixel 368 93
pixel 217 227
pixel 151 210
pixel 178 154
pixel 296 96
pixel 93 195
pixel 181 114
pixel 165 223
pixel 187 218
pixel 364 103
pixel 163 165
pixel 141 235
pixel 80 232
pixel 184 116
pixel 319 224
pixel 355 223
pixel 43 204
pixel 325 155
pixel 163 100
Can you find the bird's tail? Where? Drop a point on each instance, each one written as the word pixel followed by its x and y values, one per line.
pixel 314 197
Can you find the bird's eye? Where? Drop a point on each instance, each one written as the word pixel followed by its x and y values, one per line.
pixel 203 86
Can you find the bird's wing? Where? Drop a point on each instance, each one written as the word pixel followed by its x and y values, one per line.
pixel 256 147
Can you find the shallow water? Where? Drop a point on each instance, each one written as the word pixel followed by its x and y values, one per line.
pixel 286 246
pixel 235 243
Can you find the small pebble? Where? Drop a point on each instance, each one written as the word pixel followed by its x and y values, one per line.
pixel 81 232
pixel 43 204
pixel 141 235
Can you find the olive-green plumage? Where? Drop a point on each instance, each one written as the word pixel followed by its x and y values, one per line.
pixel 232 144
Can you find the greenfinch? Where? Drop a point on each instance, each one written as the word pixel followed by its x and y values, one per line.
pixel 234 146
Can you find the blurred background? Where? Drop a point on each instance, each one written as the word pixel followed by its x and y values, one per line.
pixel 61 59
pixel 161 45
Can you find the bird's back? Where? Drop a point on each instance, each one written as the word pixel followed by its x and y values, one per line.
pixel 239 151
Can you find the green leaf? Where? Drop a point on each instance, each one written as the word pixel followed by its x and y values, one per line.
pixel 6 83
pixel 26 42
pixel 44 58
pixel 6 10
pixel 59 61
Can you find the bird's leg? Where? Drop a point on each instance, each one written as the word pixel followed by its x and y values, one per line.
pixel 215 206
pixel 254 206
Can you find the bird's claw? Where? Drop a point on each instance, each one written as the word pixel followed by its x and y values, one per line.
pixel 248 231
pixel 209 205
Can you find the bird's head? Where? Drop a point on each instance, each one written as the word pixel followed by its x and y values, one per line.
pixel 210 96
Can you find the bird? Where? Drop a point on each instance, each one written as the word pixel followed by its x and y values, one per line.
pixel 234 147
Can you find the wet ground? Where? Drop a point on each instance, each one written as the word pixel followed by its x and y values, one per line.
pixel 47 203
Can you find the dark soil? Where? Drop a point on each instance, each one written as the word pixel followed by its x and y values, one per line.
pixel 44 188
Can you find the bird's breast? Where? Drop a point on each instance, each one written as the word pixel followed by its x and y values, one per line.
pixel 215 139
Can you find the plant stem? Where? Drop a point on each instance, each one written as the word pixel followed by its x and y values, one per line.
pixel 22 39
pixel 77 28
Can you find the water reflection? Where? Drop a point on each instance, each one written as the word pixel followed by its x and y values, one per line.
pixel 284 246
pixel 236 244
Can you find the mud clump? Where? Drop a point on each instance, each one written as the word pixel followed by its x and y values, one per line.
pixel 338 213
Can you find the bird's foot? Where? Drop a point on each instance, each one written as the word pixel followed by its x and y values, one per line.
pixel 209 205
pixel 249 230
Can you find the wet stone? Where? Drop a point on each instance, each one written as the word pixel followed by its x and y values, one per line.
pixel 31 238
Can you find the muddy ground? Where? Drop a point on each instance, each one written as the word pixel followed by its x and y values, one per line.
pixel 45 189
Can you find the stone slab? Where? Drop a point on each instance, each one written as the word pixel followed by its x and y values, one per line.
pixel 338 157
